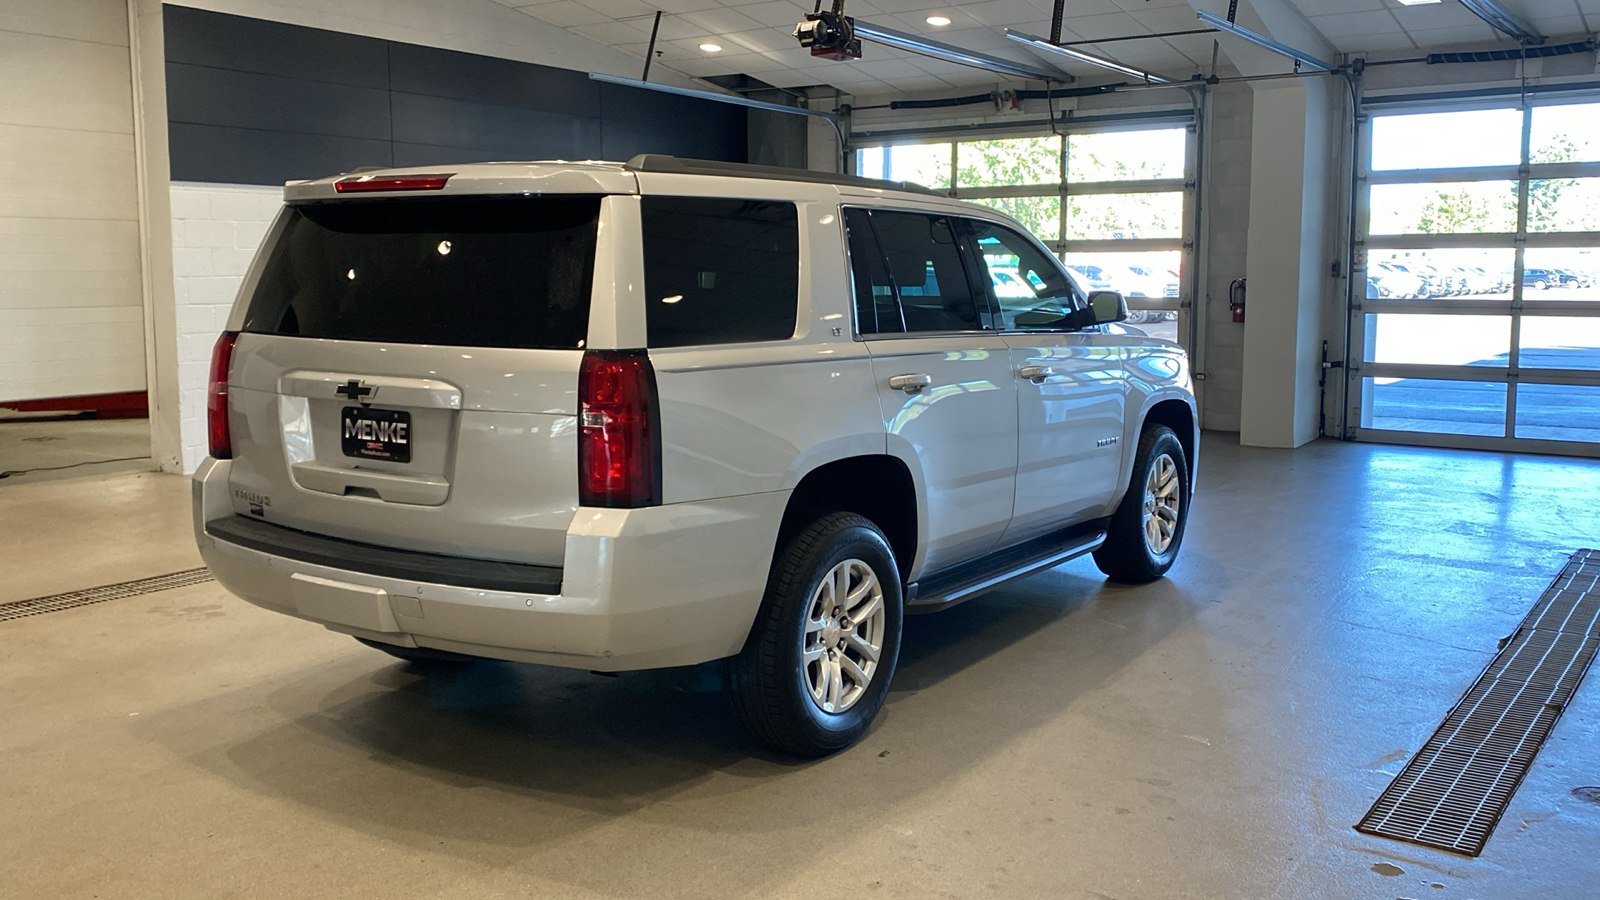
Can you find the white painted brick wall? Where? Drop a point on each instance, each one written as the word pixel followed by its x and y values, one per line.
pixel 1227 224
pixel 215 231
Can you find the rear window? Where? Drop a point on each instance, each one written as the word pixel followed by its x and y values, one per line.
pixel 720 271
pixel 469 272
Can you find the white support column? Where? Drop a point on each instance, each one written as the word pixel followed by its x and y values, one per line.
pixel 148 57
pixel 1292 225
pixel 1294 230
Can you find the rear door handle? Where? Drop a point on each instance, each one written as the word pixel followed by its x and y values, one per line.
pixel 1036 374
pixel 911 384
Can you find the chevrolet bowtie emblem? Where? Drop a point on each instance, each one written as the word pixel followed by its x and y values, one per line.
pixel 355 390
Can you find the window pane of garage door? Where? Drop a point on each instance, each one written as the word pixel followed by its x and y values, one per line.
pixel 1451 207
pixel 1559 412
pixel 1015 161
pixel 1569 132
pixel 924 164
pixel 1100 217
pixel 1447 140
pixel 1440 274
pixel 1433 340
pixel 1126 155
pixel 1437 406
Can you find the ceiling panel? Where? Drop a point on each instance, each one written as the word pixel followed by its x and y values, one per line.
pixel 756 40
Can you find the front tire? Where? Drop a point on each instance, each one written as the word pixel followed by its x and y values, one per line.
pixel 816 667
pixel 1147 529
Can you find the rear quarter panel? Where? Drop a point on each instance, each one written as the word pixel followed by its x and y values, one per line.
pixel 742 419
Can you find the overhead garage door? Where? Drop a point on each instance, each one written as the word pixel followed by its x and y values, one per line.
pixel 1110 199
pixel 1480 320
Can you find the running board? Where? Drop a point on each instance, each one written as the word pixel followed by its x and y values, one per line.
pixel 946 588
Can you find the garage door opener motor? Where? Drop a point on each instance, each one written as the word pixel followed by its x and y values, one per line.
pixel 829 34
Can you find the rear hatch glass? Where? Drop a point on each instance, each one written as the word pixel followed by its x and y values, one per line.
pixel 465 272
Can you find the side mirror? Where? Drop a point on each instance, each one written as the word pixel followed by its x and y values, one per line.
pixel 1107 307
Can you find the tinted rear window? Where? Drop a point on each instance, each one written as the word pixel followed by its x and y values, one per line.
pixel 720 271
pixel 470 272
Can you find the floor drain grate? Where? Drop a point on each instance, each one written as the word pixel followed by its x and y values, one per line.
pixel 57 602
pixel 1451 794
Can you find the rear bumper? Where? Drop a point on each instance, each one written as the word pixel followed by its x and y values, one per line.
pixel 638 589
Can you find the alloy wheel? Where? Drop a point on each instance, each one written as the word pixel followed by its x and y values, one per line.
pixel 1163 501
pixel 844 632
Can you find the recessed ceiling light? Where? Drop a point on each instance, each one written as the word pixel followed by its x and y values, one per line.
pixel 711 48
pixel 1416 2
pixel 938 21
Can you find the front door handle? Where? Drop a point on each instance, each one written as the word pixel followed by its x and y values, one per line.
pixel 1036 374
pixel 911 384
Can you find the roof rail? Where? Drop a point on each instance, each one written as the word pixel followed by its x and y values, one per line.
pixel 656 162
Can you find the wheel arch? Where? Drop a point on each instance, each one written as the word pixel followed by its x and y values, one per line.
pixel 879 487
pixel 1177 415
pixel 1175 409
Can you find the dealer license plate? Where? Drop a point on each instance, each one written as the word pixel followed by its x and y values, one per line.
pixel 376 433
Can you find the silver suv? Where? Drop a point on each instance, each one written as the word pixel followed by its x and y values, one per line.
pixel 625 416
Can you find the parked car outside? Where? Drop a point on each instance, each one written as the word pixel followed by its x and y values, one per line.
pixel 1542 279
pixel 1390 281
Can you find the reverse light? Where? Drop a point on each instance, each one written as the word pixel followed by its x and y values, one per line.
pixel 619 430
pixel 363 183
pixel 220 438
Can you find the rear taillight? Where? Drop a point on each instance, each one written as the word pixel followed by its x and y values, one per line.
pixel 619 430
pixel 363 183
pixel 217 396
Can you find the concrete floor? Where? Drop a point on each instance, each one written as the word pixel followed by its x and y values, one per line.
pixel 1212 735
pixel 53 449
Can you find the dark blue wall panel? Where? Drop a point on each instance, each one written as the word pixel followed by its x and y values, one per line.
pixel 638 121
pixel 514 133
pixel 256 102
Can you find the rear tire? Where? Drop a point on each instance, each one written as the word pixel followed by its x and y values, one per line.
pixel 1147 529
pixel 816 667
pixel 422 657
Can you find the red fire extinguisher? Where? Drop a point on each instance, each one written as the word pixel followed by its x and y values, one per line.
pixel 1236 300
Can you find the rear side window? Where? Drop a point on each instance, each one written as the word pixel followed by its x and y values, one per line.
pixel 469 272
pixel 877 310
pixel 720 271
pixel 924 263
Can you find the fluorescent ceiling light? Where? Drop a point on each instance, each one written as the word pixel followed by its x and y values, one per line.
pixel 1502 20
pixel 711 48
pixel 1415 2
pixel 1042 46
pixel 940 50
pixel 1261 40
pixel 938 21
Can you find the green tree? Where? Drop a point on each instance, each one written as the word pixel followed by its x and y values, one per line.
pixel 1457 213
pixel 1545 210
pixel 1017 161
pixel 1465 212
pixel 1004 163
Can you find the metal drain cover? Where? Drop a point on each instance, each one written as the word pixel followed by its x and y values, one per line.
pixel 1453 792
pixel 57 602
